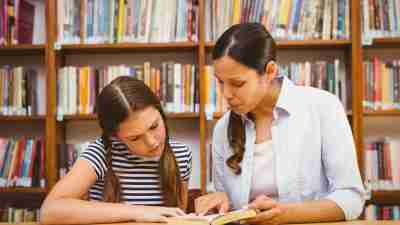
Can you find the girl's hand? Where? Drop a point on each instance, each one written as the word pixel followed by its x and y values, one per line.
pixel 154 213
pixel 214 201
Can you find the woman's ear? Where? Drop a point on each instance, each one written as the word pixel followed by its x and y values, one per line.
pixel 271 70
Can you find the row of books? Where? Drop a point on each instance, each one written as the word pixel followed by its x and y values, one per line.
pixel 22 22
pixel 122 21
pixel 22 162
pixel 175 84
pixel 380 18
pixel 285 19
pixel 375 212
pixel 330 76
pixel 68 154
pixel 382 84
pixel 19 215
pixel 22 91
pixel 382 164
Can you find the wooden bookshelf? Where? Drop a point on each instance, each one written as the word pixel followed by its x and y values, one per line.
pixel 218 115
pixel 128 47
pixel 22 49
pixel 385 43
pixel 55 58
pixel 389 113
pixel 22 118
pixel 22 197
pixel 307 44
pixel 23 190
pixel 385 198
pixel 184 115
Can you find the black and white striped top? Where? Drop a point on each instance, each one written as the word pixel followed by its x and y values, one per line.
pixel 139 177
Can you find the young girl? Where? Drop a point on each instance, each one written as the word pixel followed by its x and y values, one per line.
pixel 286 150
pixel 133 172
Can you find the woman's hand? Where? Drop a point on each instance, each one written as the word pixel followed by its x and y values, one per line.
pixel 154 214
pixel 215 201
pixel 271 211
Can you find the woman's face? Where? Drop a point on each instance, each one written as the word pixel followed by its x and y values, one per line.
pixel 143 132
pixel 242 87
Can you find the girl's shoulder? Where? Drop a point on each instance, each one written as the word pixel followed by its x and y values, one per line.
pixel 179 147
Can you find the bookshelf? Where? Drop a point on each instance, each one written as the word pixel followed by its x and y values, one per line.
pixel 127 47
pixel 183 115
pixel 56 56
pixel 385 198
pixel 23 49
pixel 305 44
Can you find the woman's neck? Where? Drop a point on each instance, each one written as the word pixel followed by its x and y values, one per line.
pixel 265 108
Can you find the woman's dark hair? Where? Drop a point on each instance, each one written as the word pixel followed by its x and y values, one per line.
pixel 249 44
pixel 114 104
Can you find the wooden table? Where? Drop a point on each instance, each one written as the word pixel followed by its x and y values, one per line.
pixel 357 222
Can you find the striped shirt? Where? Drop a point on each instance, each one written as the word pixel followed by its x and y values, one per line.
pixel 138 176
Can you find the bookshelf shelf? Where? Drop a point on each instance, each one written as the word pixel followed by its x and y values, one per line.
pixel 128 47
pixel 385 197
pixel 23 190
pixel 307 44
pixel 385 43
pixel 218 115
pixel 185 115
pixel 22 49
pixel 22 197
pixel 382 113
pixel 22 118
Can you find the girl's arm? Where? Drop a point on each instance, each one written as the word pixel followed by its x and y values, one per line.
pixel 65 204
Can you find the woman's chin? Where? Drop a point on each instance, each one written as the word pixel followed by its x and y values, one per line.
pixel 239 110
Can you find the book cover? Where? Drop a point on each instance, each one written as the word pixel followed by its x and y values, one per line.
pixel 214 219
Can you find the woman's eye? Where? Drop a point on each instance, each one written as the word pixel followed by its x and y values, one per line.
pixel 134 139
pixel 154 126
pixel 239 84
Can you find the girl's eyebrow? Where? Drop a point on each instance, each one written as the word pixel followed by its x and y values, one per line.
pixel 152 124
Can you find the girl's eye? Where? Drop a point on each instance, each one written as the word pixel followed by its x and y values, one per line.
pixel 134 139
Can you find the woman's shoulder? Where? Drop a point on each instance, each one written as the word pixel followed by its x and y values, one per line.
pixel 314 95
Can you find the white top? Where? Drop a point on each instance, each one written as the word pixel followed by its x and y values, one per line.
pixel 263 181
pixel 315 155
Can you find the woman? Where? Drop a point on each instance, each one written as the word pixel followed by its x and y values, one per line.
pixel 133 172
pixel 283 149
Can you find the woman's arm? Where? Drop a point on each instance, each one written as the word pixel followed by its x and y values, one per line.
pixel 311 212
pixel 339 159
pixel 273 212
pixel 218 200
pixel 64 204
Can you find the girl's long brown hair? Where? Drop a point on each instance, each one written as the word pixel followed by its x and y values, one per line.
pixel 251 45
pixel 114 104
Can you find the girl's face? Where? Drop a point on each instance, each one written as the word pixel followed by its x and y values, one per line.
pixel 143 132
pixel 242 87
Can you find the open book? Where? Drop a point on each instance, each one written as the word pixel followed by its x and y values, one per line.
pixel 214 219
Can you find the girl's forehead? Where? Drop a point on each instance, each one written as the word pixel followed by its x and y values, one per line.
pixel 138 122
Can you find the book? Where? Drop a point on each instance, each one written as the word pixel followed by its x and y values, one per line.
pixel 214 219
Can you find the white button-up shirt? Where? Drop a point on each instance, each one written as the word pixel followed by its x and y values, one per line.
pixel 315 155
